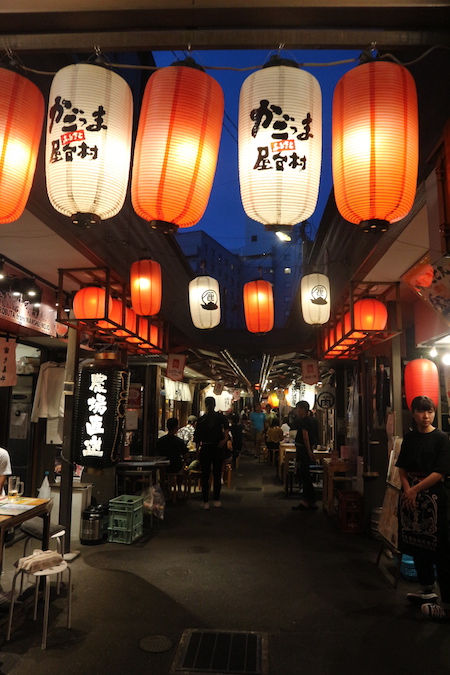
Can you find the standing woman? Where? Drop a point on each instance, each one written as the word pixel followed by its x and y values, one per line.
pixel 424 463
pixel 211 435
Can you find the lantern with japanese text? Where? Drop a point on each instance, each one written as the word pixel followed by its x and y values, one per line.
pixel 280 143
pixel 90 303
pixel 204 302
pixel 258 306
pixel 99 411
pixel 369 314
pixel 21 117
pixel 146 287
pixel 375 144
pixel 177 145
pixel 421 378
pixel 315 294
pixel 88 146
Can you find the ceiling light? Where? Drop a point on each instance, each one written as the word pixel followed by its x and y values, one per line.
pixel 433 352
pixel 446 359
pixel 283 236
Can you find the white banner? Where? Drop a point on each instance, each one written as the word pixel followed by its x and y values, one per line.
pixel 310 371
pixel 175 366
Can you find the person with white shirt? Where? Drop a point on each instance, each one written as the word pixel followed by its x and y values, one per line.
pixel 5 469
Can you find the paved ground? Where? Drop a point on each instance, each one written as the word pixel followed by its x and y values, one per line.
pixel 254 565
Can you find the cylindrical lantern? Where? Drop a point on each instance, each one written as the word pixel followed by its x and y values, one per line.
pixel 258 306
pixel 375 144
pixel 315 294
pixel 90 303
pixel 61 329
pixel 130 323
pixel 21 117
pixel 115 314
pixel 421 379
pixel 146 287
pixel 99 411
pixel 204 302
pixel 280 143
pixel 88 146
pixel 177 145
pixel 154 339
pixel 273 399
pixel 369 314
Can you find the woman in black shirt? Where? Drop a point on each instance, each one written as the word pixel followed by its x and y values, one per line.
pixel 424 462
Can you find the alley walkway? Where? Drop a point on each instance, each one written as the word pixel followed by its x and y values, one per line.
pixel 254 565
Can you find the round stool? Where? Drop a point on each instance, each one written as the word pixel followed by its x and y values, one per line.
pixel 46 573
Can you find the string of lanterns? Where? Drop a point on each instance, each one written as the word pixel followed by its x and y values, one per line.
pixel 88 153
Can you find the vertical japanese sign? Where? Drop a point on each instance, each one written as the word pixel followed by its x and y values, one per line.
pixel 175 366
pixel 8 376
pixel 99 414
pixel 310 371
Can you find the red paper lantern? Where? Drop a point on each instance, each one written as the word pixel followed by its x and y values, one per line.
pixel 130 323
pixel 115 314
pixel 146 287
pixel 421 379
pixel 154 337
pixel 258 306
pixel 369 314
pixel 354 335
pixel 21 119
pixel 61 329
pixel 375 144
pixel 90 303
pixel 177 145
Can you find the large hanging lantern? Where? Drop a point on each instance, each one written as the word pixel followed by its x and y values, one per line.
pixel 146 287
pixel 369 314
pixel 177 144
pixel 88 147
pixel 421 379
pixel 280 143
pixel 204 302
pixel 99 411
pixel 90 303
pixel 258 306
pixel 375 144
pixel 21 117
pixel 315 294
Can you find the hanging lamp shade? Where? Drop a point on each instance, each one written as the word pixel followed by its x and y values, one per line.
pixel 204 302
pixel 115 314
pixel 90 303
pixel 375 144
pixel 21 118
pixel 146 287
pixel 315 294
pixel 88 145
pixel 280 143
pixel 369 314
pixel 273 399
pixel 421 378
pixel 354 335
pixel 258 306
pixel 177 145
pixel 154 339
pixel 130 323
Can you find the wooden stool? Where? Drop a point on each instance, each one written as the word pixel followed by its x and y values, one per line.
pixel 175 483
pixel 46 573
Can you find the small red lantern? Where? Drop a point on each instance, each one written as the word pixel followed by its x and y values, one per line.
pixel 421 379
pixel 90 303
pixel 258 306
pixel 177 144
pixel 370 314
pixel 61 329
pixel 154 338
pixel 130 323
pixel 354 335
pixel 115 314
pixel 21 118
pixel 146 287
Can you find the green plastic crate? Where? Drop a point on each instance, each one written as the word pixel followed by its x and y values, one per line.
pixel 116 536
pixel 125 512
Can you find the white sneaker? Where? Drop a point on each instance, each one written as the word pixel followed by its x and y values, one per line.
pixel 217 505
pixel 205 506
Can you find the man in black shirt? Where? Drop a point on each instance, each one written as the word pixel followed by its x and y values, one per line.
pixel 211 434
pixel 172 447
pixel 304 456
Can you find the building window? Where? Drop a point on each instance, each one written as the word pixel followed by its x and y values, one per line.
pixel 287 270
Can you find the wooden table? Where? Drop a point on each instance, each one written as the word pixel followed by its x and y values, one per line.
pixel 335 471
pixel 152 468
pixel 284 447
pixel 40 507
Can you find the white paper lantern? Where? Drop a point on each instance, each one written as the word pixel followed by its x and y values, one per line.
pixel 315 295
pixel 88 145
pixel 204 302
pixel 280 144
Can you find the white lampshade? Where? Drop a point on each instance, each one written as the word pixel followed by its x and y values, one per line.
pixel 280 144
pixel 88 145
pixel 315 294
pixel 204 302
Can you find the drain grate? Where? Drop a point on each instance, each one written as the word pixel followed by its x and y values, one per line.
pixel 221 653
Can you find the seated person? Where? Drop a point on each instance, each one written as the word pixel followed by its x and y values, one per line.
pixel 172 447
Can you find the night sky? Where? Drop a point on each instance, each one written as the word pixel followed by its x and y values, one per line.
pixel 225 218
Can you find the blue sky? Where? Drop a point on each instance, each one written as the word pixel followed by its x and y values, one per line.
pixel 225 218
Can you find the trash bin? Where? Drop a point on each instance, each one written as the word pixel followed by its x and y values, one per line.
pixel 92 526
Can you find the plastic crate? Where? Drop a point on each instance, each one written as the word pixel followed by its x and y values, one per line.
pixel 118 536
pixel 125 512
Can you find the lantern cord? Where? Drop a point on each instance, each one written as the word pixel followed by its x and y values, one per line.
pixel 419 58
